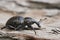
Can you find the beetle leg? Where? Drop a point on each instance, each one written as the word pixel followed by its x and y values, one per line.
pixel 3 27
pixel 38 24
pixel 8 27
pixel 29 26
pixel 20 27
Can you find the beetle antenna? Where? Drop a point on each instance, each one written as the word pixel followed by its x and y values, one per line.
pixel 42 20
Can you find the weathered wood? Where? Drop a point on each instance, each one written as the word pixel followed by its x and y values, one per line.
pixel 18 36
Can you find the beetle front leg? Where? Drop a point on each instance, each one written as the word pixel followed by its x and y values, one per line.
pixel 29 26
pixel 38 24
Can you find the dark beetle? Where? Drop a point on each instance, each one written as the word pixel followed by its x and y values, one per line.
pixel 19 22
pixel 14 23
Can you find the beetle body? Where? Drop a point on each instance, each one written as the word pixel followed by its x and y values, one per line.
pixel 19 22
pixel 14 22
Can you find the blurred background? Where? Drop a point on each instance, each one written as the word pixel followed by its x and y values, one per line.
pixel 32 8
